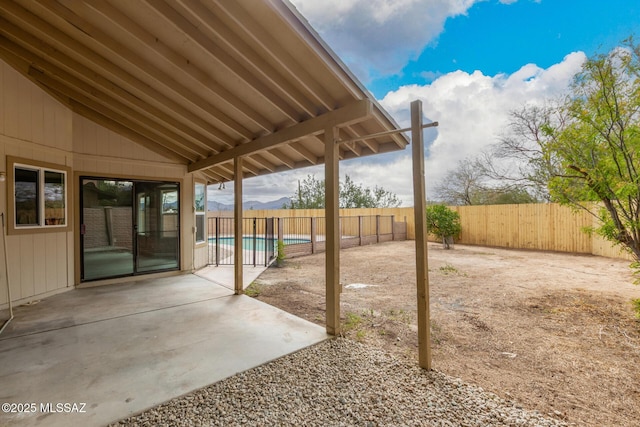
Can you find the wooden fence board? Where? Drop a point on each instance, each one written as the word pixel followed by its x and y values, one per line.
pixel 543 226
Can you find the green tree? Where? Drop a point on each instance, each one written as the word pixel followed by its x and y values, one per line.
pixel 587 146
pixel 310 195
pixel 444 223
pixel 599 148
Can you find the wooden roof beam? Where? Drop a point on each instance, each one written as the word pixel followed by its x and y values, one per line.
pixel 280 155
pixel 300 149
pixel 123 117
pixel 246 168
pixel 193 32
pixel 398 138
pixel 261 160
pixel 259 166
pixel 97 100
pixel 222 172
pixel 212 176
pixel 181 63
pixel 352 113
pixel 160 78
pixel 60 42
pixel 263 38
pixel 221 29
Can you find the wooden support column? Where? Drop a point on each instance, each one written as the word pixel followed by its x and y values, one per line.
pixel 419 210
pixel 332 215
pixel 237 227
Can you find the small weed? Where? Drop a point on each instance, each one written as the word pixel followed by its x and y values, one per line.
pixel 352 322
pixel 368 313
pixel 400 315
pixel 448 269
pixel 361 334
pixel 636 307
pixel 437 334
pixel 253 290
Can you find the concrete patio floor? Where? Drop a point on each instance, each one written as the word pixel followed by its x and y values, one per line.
pixel 119 349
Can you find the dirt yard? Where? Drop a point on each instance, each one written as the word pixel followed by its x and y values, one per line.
pixel 554 332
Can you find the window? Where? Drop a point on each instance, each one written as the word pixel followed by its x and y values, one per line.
pixel 39 196
pixel 200 210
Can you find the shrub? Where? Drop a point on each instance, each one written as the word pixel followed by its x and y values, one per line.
pixel 443 223
pixel 280 256
pixel 636 307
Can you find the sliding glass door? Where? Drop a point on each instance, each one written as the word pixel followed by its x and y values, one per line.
pixel 157 224
pixel 128 227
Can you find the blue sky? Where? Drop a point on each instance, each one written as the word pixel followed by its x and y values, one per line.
pixel 471 62
pixel 495 38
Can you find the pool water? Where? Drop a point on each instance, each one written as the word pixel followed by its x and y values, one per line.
pixel 247 242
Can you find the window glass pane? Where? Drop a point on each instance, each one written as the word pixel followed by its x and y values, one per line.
pixel 200 227
pixel 199 197
pixel 170 201
pixel 54 200
pixel 26 196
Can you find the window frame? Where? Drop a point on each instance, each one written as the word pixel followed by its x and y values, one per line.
pixel 198 213
pixel 41 168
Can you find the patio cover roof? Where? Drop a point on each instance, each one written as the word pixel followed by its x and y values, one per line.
pixel 198 81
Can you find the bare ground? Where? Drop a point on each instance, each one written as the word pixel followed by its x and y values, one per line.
pixel 555 332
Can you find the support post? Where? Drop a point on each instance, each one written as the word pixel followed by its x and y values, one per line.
pixel 332 215
pixel 281 228
pixel 419 209
pixel 237 227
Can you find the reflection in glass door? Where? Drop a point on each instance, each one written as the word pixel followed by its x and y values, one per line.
pixel 107 228
pixel 128 227
pixel 157 224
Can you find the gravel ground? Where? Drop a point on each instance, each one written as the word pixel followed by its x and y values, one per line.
pixel 340 382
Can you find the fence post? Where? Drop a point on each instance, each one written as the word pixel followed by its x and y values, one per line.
pixel 360 229
pixel 255 241
pixel 377 228
pixel 281 229
pixel 217 241
pixel 393 227
pixel 266 241
pixel 313 234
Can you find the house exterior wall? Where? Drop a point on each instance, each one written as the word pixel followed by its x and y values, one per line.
pixel 35 126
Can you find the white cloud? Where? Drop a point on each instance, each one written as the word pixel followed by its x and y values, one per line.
pixel 379 37
pixel 472 109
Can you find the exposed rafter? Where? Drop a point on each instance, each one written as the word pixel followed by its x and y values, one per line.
pixel 352 113
pixel 200 82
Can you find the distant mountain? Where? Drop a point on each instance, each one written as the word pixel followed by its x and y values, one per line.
pixel 252 204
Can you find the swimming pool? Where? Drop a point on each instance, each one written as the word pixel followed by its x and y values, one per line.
pixel 261 242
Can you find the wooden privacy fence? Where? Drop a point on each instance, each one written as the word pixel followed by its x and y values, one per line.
pixel 543 226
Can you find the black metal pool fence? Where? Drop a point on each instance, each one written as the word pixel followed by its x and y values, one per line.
pixel 299 235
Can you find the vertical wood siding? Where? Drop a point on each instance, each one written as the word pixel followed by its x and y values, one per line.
pixel 35 126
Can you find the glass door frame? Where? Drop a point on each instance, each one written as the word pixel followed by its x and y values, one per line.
pixel 166 215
